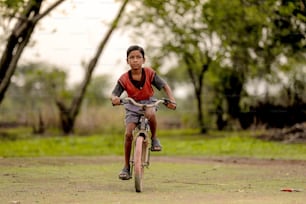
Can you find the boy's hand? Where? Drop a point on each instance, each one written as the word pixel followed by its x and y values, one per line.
pixel 115 100
pixel 171 105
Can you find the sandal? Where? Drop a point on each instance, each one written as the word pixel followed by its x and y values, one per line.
pixel 156 147
pixel 125 174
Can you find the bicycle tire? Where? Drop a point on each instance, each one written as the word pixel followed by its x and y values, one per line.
pixel 138 163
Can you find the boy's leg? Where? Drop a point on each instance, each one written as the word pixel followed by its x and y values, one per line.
pixel 124 174
pixel 128 142
pixel 150 114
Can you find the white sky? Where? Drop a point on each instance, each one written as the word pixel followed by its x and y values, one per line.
pixel 71 34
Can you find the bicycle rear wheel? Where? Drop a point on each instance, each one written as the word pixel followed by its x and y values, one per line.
pixel 138 162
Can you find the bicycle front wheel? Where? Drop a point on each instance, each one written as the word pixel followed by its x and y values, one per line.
pixel 138 161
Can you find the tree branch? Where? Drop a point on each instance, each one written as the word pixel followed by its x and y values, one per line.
pixel 47 11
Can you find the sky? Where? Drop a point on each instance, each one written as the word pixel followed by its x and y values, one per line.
pixel 72 33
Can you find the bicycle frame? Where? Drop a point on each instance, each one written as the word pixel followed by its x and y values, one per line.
pixel 142 130
pixel 140 152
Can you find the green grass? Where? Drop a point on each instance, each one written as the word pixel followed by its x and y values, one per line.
pixel 175 143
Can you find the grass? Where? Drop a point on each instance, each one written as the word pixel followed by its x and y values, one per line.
pixel 51 177
pixel 175 143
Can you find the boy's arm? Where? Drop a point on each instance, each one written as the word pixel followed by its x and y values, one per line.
pixel 169 93
pixel 116 94
pixel 115 99
pixel 159 83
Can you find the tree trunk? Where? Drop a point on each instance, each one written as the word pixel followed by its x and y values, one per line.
pixel 200 112
pixel 68 115
pixel 197 81
pixel 233 94
pixel 67 121
pixel 18 40
pixel 16 43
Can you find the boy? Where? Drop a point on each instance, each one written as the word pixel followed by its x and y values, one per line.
pixel 137 82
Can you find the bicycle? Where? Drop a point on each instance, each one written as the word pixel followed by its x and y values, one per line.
pixel 141 146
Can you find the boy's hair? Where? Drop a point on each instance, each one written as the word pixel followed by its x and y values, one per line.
pixel 133 48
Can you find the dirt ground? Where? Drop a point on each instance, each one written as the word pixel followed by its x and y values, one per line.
pixel 168 180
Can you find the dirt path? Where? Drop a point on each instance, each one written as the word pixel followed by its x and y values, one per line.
pixel 168 180
pixel 167 159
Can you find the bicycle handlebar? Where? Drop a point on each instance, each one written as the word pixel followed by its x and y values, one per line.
pixel 143 106
pixel 128 99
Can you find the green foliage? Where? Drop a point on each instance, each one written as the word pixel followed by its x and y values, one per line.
pixel 12 4
pixel 33 90
pixel 246 40
pixel 11 9
pixel 254 37
pixel 177 76
pixel 98 90
pixel 37 83
pixel 40 78
pixel 289 23
pixel 240 28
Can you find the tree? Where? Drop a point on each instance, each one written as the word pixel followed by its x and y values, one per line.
pixel 270 31
pixel 244 41
pixel 32 92
pixel 97 91
pixel 178 33
pixel 289 25
pixel 239 28
pixel 25 15
pixel 69 114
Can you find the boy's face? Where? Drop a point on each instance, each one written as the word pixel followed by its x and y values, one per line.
pixel 135 60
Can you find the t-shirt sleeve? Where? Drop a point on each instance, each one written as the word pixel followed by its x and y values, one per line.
pixel 158 82
pixel 118 90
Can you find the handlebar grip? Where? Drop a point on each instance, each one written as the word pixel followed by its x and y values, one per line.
pixel 167 101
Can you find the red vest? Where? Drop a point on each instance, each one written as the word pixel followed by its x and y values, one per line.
pixel 139 94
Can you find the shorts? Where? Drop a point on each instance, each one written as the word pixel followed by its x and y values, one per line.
pixel 133 113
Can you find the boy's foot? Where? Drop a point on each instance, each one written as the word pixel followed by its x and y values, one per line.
pixel 156 146
pixel 125 174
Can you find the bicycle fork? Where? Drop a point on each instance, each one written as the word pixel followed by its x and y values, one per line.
pixel 142 130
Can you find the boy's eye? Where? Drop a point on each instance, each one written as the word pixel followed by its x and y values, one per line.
pixel 135 57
